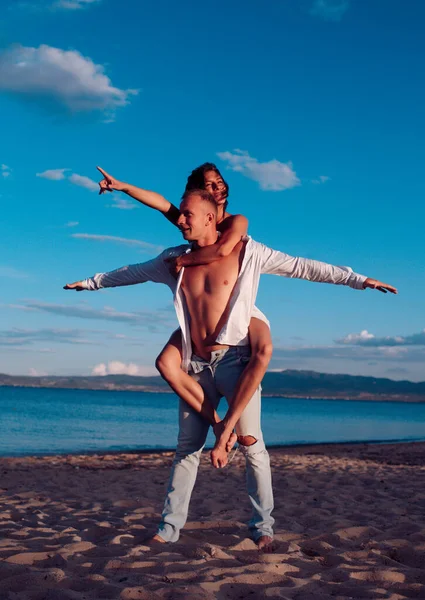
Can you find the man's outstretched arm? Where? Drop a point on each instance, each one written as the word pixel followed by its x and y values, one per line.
pixel 274 262
pixel 153 270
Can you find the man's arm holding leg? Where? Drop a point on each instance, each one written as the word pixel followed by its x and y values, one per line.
pixel 278 263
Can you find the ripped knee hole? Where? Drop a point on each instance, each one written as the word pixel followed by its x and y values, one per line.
pixel 246 440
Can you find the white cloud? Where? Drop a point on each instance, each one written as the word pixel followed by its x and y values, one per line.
pixel 122 203
pixel 355 338
pixel 75 178
pixel 99 369
pixel 83 312
pixel 72 224
pixel 354 360
pixel 5 170
pixel 364 338
pixel 393 351
pixel 44 5
pixel 74 4
pixel 330 10
pixel 350 353
pixel 153 320
pixel 35 373
pixel 53 174
pixel 118 240
pixel 116 367
pixel 398 370
pixel 272 175
pixel 25 337
pixel 321 179
pixel 64 77
pixel 84 182
pixel 12 273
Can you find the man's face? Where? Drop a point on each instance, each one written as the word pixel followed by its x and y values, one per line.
pixel 214 184
pixel 195 218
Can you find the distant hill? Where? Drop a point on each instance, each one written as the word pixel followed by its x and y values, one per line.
pixel 288 383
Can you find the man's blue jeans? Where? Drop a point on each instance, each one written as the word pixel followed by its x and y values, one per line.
pixel 218 377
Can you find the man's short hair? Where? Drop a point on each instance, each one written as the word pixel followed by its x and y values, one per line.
pixel 203 196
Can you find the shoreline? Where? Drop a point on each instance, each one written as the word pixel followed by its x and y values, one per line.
pixel 163 451
pixel 365 397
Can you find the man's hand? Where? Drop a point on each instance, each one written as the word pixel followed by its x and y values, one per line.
pixel 173 265
pixel 77 286
pixel 374 284
pixel 109 184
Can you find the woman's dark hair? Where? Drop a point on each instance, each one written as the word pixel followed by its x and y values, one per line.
pixel 196 179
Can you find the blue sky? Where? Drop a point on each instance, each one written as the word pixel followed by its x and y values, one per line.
pixel 312 109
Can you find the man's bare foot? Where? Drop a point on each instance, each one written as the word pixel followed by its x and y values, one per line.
pixel 265 544
pixel 156 539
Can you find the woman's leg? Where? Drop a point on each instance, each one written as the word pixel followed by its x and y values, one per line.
pixel 168 364
pixel 261 353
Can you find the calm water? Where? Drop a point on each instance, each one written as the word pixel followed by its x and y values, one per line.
pixel 42 421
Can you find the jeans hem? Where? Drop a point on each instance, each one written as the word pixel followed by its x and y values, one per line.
pixel 169 537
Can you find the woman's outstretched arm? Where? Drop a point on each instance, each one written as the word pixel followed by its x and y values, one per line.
pixel 146 197
pixel 235 229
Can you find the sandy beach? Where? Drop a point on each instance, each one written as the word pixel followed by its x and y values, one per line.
pixel 350 523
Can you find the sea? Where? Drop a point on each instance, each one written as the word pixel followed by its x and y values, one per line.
pixel 37 421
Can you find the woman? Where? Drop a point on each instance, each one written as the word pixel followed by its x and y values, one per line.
pixel 232 229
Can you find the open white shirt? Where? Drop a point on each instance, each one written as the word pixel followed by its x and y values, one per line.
pixel 258 259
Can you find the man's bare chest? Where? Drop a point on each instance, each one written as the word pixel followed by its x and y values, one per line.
pixel 214 279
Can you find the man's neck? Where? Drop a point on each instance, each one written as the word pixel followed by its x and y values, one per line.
pixel 207 240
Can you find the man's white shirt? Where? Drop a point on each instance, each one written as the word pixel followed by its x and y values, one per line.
pixel 258 259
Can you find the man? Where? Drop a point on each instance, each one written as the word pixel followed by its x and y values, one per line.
pixel 213 305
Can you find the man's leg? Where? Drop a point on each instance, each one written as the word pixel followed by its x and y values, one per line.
pixel 250 437
pixel 193 430
pixel 247 384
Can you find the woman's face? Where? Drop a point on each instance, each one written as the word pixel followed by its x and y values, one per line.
pixel 214 184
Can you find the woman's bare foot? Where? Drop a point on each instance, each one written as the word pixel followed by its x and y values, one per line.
pixel 265 544
pixel 231 442
pixel 220 453
pixel 219 457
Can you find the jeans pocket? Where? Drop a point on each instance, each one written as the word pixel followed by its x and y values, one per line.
pixel 244 359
